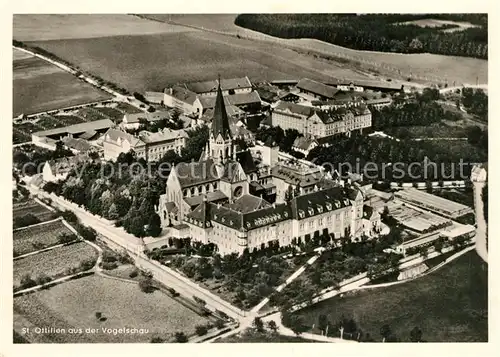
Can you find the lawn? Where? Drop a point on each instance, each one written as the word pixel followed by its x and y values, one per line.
pixel 250 336
pixel 449 305
pixel 36 27
pixel 41 212
pixel 40 86
pixel 74 304
pixel 53 263
pixel 112 113
pixel 69 119
pixel 31 239
pixel 454 69
pixel 140 63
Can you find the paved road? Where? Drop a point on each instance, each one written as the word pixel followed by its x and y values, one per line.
pixel 133 245
pixel 476 86
pixel 481 231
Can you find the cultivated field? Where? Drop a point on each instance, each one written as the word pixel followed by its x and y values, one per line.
pixel 41 27
pixel 40 86
pixel 152 62
pixel 122 304
pixel 53 263
pixel 36 209
pixel 453 69
pixel 31 239
pixel 449 305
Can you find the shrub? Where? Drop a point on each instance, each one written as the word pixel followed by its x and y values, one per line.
pixel 43 279
pixel 173 292
pixel 109 265
pixel 134 273
pixel 109 257
pixel 180 337
pixel 146 285
pixel 69 216
pixel 98 315
pixel 26 220
pixel 64 238
pixel 86 264
pixel 219 324
pixel 201 330
pixel 27 282
pixel 157 340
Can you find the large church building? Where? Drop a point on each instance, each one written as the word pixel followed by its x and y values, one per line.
pixel 225 198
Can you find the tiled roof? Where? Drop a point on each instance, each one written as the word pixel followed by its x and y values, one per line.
pixel 112 136
pixel 319 202
pixel 171 207
pixel 246 161
pixel 249 203
pixel 210 197
pixel 372 84
pixel 65 164
pixel 303 142
pixel 163 135
pixel 77 144
pixel 294 108
pixel 379 101
pixel 295 177
pixel 220 120
pixel 78 128
pixel 137 117
pixel 233 99
pixel 317 88
pixel 226 84
pixel 195 173
pixel 181 93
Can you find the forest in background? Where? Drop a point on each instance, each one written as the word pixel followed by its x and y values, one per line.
pixel 378 32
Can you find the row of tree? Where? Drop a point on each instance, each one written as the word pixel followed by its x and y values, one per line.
pixel 375 32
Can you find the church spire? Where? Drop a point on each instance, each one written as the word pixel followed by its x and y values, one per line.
pixel 220 121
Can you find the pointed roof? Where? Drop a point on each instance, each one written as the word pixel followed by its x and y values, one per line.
pixel 220 121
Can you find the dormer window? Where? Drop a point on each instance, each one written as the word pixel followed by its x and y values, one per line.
pixel 301 214
pixel 329 206
pixel 311 211
pixel 320 209
pixel 207 224
pixel 223 219
pixel 285 214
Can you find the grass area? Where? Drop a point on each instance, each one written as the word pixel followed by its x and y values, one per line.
pixel 453 69
pixel 74 304
pixel 447 305
pixel 138 63
pixel 250 336
pixel 31 239
pixel 53 263
pixel 49 122
pixel 36 209
pixel 123 271
pixel 40 86
pixel 36 27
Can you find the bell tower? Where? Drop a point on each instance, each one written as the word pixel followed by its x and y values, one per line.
pixel 220 146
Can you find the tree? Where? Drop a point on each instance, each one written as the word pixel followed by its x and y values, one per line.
pixel 181 337
pixel 201 330
pixel 146 285
pixel 219 324
pixel 416 334
pixel 289 194
pixel 438 245
pixel 154 225
pixel 258 324
pixel 385 332
pixel 26 220
pixel 272 326
pixel 27 282
pixel 322 322
pixel 64 238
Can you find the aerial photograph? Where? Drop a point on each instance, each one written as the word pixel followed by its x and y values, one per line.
pixel 250 178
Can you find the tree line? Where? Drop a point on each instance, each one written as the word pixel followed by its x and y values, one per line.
pixel 378 32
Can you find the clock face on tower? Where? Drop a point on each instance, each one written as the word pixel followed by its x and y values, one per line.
pixel 238 191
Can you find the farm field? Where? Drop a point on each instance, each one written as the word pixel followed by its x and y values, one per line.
pixel 449 305
pixel 40 86
pixel 141 63
pixel 53 263
pixel 28 27
pixel 36 209
pixel 69 305
pixel 453 69
pixel 439 23
pixel 112 113
pixel 31 239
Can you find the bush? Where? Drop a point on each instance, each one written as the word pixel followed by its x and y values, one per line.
pixel 220 324
pixel 69 216
pixel 87 264
pixel 43 279
pixel 27 282
pixel 181 337
pixel 146 285
pixel 98 315
pixel 109 257
pixel 64 238
pixel 201 330
pixel 157 340
pixel 109 265
pixel 26 220
pixel 134 273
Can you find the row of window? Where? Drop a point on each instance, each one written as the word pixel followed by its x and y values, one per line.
pixel 196 190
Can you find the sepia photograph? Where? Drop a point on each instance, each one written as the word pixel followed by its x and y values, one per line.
pixel 249 178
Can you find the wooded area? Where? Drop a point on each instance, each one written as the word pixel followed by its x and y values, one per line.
pixel 378 32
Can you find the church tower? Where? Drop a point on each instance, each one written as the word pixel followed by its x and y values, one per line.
pixel 220 145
